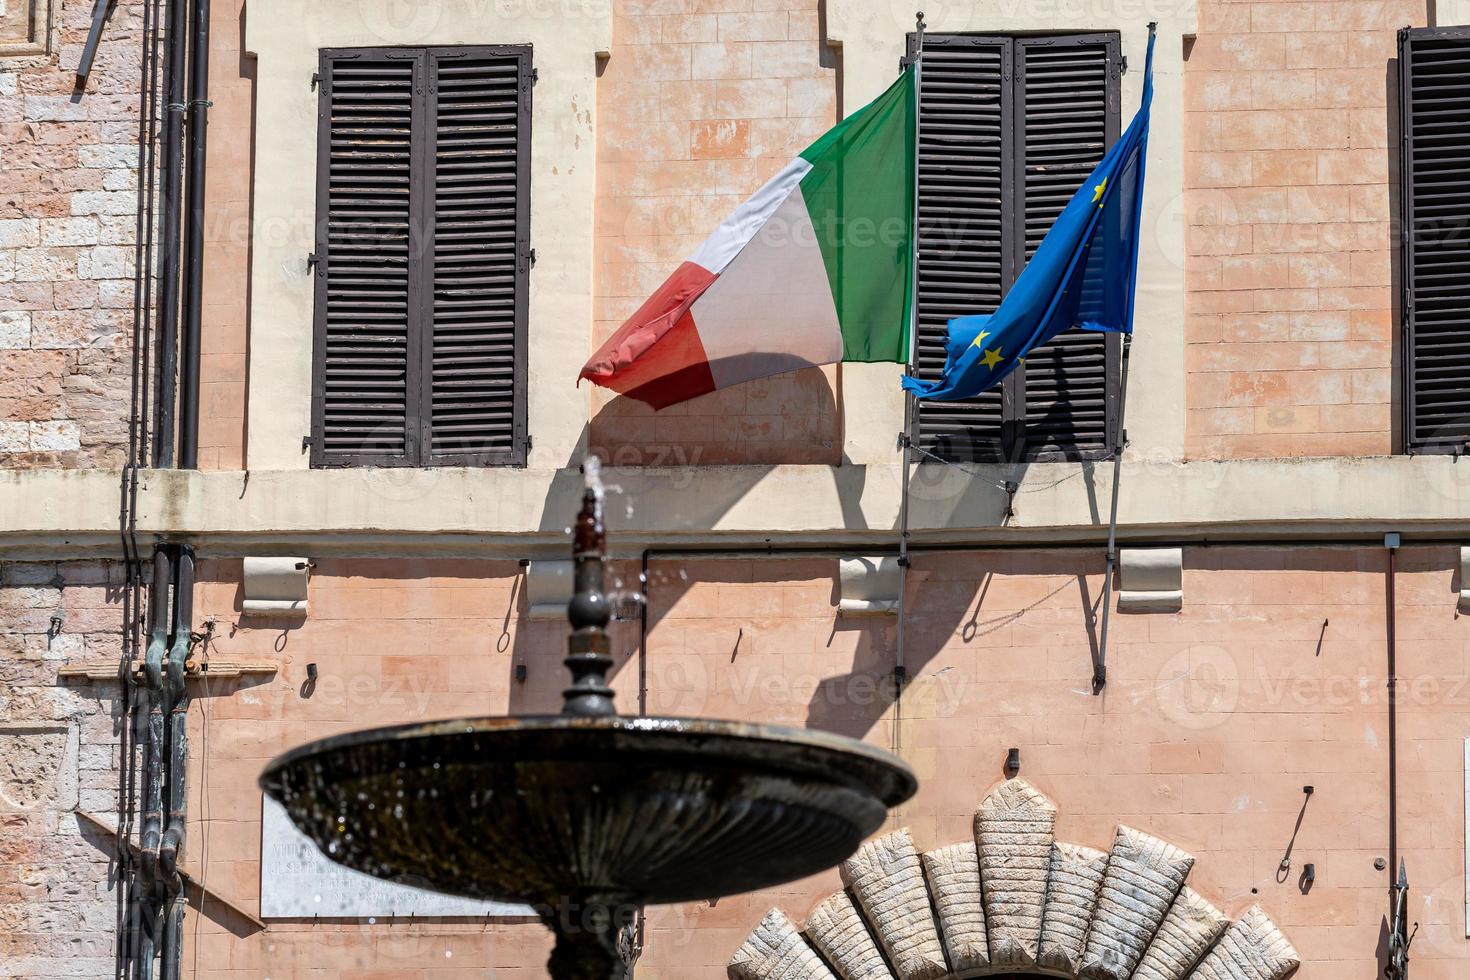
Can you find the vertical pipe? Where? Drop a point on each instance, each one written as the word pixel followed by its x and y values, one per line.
pixel 178 698
pixel 194 238
pixel 152 833
pixel 1390 611
pixel 171 194
pixel 138 886
pixel 149 946
pixel 151 887
pixel 643 587
pixel 910 410
pixel 172 846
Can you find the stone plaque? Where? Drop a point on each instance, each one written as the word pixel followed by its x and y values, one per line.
pixel 297 881
pixel 38 765
pixel 24 26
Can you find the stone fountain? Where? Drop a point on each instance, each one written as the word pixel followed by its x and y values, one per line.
pixel 588 815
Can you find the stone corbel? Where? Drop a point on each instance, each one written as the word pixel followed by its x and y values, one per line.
pixel 1464 603
pixel 1150 580
pixel 548 589
pixel 868 587
pixel 275 586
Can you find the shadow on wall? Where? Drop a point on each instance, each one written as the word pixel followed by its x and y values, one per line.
pixel 938 609
pixel 788 418
pixel 758 639
pixel 538 645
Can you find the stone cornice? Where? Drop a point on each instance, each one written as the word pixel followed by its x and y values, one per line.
pixel 522 512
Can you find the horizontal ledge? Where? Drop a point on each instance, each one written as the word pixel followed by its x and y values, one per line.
pixel 524 512
pixel 107 670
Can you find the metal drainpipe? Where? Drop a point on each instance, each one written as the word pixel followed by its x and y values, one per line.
pixel 172 847
pixel 194 238
pixel 1391 542
pixel 152 832
pixel 172 195
pixel 138 888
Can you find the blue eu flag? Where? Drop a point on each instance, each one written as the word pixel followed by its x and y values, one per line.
pixel 1082 274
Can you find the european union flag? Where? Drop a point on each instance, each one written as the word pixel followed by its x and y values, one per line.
pixel 1082 274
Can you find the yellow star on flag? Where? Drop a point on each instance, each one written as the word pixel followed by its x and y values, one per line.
pixel 980 340
pixel 1097 192
pixel 991 358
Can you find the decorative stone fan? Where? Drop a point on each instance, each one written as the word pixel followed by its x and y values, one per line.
pixel 1016 901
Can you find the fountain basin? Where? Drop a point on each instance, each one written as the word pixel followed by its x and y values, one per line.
pixel 554 810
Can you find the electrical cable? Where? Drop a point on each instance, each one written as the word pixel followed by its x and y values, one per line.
pixel 986 480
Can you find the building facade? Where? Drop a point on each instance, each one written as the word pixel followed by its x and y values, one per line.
pixel 417 221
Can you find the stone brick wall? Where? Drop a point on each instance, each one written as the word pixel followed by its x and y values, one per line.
pixel 699 105
pixel 67 229
pixel 58 752
pixel 1290 312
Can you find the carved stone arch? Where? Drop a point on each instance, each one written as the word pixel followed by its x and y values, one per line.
pixel 1016 902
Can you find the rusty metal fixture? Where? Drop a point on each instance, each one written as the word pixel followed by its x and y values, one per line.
pixel 589 815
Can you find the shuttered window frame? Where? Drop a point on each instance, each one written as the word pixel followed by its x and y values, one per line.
pixel 417 450
pixel 997 426
pixel 1434 238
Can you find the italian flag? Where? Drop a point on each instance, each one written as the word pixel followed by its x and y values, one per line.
pixel 815 268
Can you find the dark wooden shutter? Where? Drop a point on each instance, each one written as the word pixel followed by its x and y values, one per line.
pixel 1009 129
pixel 475 368
pixel 963 263
pixel 1067 102
pixel 1434 88
pixel 362 399
pixel 422 257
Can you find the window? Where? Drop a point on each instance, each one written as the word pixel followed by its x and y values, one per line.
pixel 1009 129
pixel 25 27
pixel 422 257
pixel 1434 167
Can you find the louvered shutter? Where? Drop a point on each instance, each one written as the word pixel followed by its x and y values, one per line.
pixel 475 363
pixel 1009 129
pixel 362 397
pixel 422 257
pixel 963 262
pixel 1434 87
pixel 1066 93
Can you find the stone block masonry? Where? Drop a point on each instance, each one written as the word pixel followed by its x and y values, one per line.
pixel 68 206
pixel 58 753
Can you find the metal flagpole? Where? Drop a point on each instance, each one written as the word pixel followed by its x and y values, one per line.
pixel 1100 663
pixel 905 438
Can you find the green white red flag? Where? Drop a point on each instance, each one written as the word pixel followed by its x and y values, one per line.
pixel 815 268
